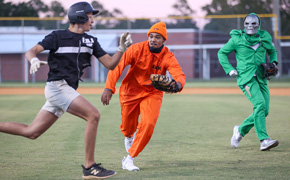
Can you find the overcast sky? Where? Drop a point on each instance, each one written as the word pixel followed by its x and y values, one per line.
pixel 137 8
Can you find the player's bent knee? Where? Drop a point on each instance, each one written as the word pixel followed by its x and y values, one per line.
pixel 261 105
pixel 149 126
pixel 94 117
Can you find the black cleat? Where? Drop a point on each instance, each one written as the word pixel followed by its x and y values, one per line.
pixel 96 171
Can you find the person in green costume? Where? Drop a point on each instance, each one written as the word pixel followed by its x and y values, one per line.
pixel 251 46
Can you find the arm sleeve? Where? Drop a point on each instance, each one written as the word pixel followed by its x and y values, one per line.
pixel 223 56
pixel 176 71
pixel 49 42
pixel 272 53
pixel 114 75
pixel 98 50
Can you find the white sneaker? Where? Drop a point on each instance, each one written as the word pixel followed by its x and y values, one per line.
pixel 267 144
pixel 127 163
pixel 236 138
pixel 128 142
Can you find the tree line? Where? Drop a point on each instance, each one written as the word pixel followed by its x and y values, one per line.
pixel 181 8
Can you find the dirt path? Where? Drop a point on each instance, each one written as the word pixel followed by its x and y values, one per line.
pixel 188 90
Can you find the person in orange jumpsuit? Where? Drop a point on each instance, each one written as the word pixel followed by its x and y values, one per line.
pixel 137 95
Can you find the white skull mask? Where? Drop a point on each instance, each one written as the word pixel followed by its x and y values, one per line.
pixel 251 24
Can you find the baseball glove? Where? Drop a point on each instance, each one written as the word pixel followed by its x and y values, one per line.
pixel 164 83
pixel 270 70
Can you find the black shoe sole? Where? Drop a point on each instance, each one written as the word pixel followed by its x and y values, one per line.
pixel 270 147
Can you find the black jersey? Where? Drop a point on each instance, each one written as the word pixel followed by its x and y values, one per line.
pixel 69 54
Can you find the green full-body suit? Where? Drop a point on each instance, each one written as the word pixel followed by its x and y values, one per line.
pixel 250 51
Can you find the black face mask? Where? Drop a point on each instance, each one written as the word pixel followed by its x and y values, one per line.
pixel 156 50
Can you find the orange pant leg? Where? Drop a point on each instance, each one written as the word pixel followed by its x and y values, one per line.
pixel 149 109
pixel 130 113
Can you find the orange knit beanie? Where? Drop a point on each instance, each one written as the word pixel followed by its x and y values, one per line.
pixel 159 28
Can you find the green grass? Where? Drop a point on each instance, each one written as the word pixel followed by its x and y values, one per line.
pixel 191 141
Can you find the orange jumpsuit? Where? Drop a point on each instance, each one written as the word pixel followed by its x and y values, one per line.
pixel 137 95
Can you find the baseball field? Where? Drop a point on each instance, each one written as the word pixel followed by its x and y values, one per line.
pixel 191 139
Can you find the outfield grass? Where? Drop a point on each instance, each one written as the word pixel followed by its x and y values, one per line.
pixel 191 141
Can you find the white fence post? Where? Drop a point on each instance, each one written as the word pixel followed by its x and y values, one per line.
pixel 205 65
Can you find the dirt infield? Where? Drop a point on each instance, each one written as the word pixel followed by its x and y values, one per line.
pixel 91 90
